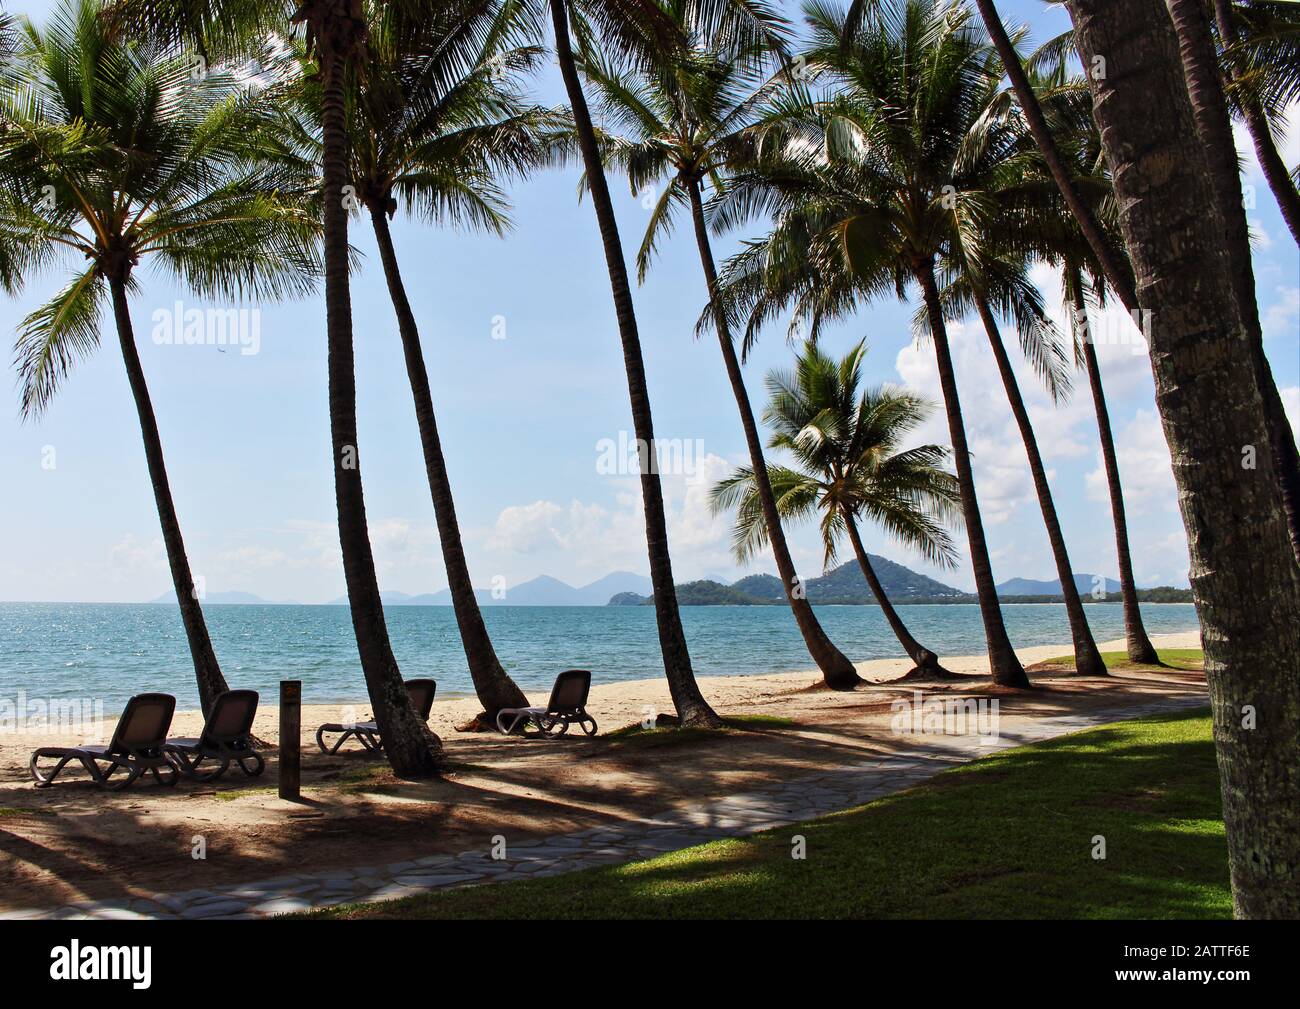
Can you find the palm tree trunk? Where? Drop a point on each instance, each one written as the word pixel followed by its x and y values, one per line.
pixel 206 670
pixel 1087 660
pixel 1119 276
pixel 692 708
pixel 1214 125
pixel 493 686
pixel 1270 161
pixel 1004 664
pixel 412 749
pixel 838 672
pixel 1243 574
pixel 909 643
pixel 1140 648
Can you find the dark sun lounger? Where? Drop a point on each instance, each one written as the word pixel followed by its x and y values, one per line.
pixel 136 747
pixel 225 737
pixel 367 733
pixel 568 703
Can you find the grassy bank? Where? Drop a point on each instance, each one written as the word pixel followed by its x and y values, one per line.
pixel 1009 836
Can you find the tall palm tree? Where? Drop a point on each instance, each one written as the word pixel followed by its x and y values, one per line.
pixel 845 441
pixel 1243 574
pixel 112 154
pixel 875 176
pixel 1217 136
pixel 676 121
pixel 336 36
pixel 999 285
pixel 1261 62
pixel 434 123
pixel 641 31
pixel 1063 103
pixel 1138 645
pixel 1201 63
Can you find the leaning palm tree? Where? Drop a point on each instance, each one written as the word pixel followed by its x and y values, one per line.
pixel 434 124
pixel 112 154
pixel 336 35
pixel 676 121
pixel 849 467
pixel 873 181
pixel 640 31
pixel 1260 60
pixel 1202 69
pixel 1244 577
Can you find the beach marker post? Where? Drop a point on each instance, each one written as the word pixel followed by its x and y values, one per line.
pixel 290 738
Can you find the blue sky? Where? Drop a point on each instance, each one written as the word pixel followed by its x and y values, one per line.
pixel 247 445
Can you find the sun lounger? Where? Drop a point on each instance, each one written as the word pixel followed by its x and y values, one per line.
pixel 567 704
pixel 367 733
pixel 225 737
pixel 136 747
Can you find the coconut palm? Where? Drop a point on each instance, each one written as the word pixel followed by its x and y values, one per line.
pixel 641 32
pixel 335 33
pixel 849 467
pixel 876 176
pixel 1280 78
pixel 113 155
pixel 1261 64
pixel 999 286
pixel 676 121
pixel 434 124
pixel 1066 109
pixel 1243 573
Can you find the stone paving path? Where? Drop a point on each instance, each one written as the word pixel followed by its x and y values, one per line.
pixel 790 801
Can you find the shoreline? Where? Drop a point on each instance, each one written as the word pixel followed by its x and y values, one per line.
pixel 877 673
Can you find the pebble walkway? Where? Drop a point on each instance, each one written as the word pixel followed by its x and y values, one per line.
pixel 790 801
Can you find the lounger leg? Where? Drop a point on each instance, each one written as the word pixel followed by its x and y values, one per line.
pixel 258 764
pixel 45 780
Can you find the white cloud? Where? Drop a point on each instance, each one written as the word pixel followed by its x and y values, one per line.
pixel 1144 465
pixel 597 538
pixel 1282 317
pixel 527 528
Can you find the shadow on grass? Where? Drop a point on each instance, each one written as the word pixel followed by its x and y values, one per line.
pixel 1015 835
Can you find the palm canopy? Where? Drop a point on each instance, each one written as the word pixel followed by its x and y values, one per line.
pixel 681 119
pixel 438 119
pixel 845 442
pixel 113 151
pixel 908 156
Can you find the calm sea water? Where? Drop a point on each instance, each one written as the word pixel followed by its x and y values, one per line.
pixel 109 652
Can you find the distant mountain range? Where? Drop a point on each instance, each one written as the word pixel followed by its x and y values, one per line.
pixel 844 585
pixel 1030 587
pixel 540 591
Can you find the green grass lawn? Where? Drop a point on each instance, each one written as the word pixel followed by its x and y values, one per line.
pixel 1008 836
pixel 1186 659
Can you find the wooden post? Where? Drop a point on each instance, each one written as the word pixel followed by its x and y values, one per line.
pixel 290 738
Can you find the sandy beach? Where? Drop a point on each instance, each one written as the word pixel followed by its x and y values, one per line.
pixel 73 841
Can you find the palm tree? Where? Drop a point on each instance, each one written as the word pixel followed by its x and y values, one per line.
pixel 1063 103
pixel 112 153
pixel 1217 135
pixel 434 123
pixel 846 443
pixel 875 177
pixel 1138 645
pixel 1261 62
pixel 641 31
pixel 999 285
pixel 336 36
pixel 1214 124
pixel 1243 573
pixel 678 118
